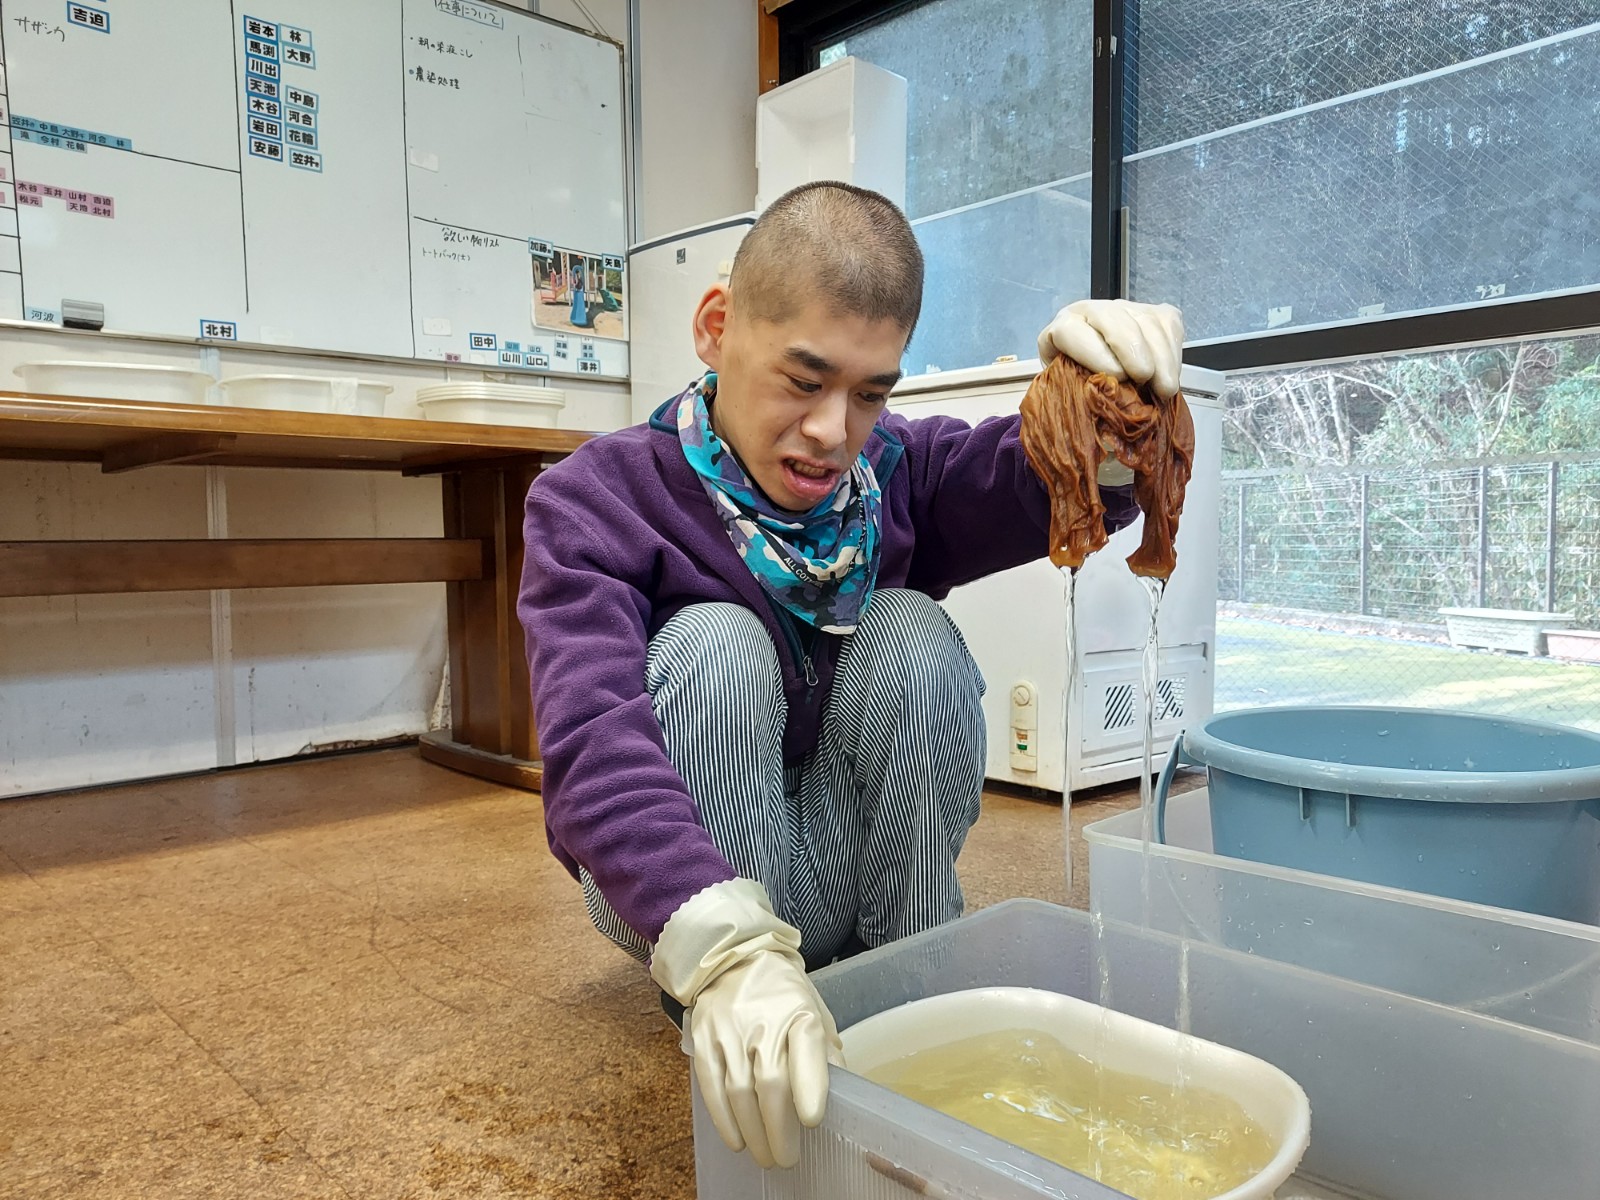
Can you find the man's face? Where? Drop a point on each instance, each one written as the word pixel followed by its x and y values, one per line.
pixel 796 399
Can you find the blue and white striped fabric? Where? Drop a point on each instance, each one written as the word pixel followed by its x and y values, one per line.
pixel 863 839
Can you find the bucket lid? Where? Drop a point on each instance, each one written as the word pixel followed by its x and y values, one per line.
pixel 1403 753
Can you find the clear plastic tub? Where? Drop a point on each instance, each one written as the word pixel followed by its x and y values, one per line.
pixel 1410 1100
pixel 342 394
pixel 1536 971
pixel 493 404
pixel 150 383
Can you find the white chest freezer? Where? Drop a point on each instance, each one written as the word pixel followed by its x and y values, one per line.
pixel 1014 622
pixel 666 278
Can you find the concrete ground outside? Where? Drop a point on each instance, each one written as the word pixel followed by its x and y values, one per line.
pixel 1263 662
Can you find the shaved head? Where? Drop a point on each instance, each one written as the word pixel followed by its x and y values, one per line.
pixel 844 247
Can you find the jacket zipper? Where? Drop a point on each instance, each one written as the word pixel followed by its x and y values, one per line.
pixel 807 668
pixel 800 652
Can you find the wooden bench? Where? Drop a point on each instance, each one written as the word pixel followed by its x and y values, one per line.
pixel 486 471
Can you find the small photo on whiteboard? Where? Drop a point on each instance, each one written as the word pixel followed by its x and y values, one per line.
pixel 578 292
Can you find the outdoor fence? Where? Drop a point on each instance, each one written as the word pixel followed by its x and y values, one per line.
pixel 1403 543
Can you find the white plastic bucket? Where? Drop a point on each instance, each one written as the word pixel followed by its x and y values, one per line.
pixel 147 382
pixel 492 404
pixel 1274 1102
pixel 343 394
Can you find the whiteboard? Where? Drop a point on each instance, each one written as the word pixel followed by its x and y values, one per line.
pixel 435 179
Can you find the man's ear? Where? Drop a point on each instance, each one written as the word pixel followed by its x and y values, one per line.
pixel 711 323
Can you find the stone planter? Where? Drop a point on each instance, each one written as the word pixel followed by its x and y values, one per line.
pixel 1577 645
pixel 1503 628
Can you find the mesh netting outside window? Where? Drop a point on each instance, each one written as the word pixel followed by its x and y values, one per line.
pixel 1353 518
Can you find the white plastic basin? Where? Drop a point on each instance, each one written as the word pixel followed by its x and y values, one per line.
pixel 147 382
pixel 1273 1101
pixel 492 404
pixel 344 394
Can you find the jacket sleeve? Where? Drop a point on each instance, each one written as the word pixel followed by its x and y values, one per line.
pixel 614 804
pixel 976 505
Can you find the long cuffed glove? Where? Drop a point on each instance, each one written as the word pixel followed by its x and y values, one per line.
pixel 1142 343
pixel 761 1036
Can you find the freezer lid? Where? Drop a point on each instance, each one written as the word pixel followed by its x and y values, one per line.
pixel 666 239
pixel 1201 385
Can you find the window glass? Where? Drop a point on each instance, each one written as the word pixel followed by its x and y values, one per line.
pixel 1302 163
pixel 998 115
pixel 1362 501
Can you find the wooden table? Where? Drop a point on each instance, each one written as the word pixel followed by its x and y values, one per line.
pixel 485 470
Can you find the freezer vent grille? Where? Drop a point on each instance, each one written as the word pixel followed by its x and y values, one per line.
pixel 1119 707
pixel 1169 698
pixel 1122 703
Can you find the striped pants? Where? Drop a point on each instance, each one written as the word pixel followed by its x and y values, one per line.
pixel 860 842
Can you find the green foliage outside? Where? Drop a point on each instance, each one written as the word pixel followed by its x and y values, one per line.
pixel 1495 402
pixel 1419 437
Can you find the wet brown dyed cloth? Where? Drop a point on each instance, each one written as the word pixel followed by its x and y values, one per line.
pixel 1071 421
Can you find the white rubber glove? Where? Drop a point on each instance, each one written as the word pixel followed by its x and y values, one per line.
pixel 761 1037
pixel 1138 342
pixel 1142 343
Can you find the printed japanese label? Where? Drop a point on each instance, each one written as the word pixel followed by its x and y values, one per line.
pixel 26 125
pixel 89 17
pixel 90 204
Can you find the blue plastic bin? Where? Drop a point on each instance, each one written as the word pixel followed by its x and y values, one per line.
pixel 1486 809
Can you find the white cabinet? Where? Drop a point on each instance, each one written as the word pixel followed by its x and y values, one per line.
pixel 846 121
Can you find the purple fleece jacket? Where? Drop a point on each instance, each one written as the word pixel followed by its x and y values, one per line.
pixel 621 535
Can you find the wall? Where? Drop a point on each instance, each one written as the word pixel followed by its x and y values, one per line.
pixel 696 115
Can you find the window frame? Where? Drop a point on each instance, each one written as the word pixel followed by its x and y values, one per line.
pixel 806 26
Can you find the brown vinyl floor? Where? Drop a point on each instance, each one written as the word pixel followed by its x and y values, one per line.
pixel 360 976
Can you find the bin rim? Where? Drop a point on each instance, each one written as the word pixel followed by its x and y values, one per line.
pixel 1562 785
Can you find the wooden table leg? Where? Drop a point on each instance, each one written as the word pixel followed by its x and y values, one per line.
pixel 492 734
